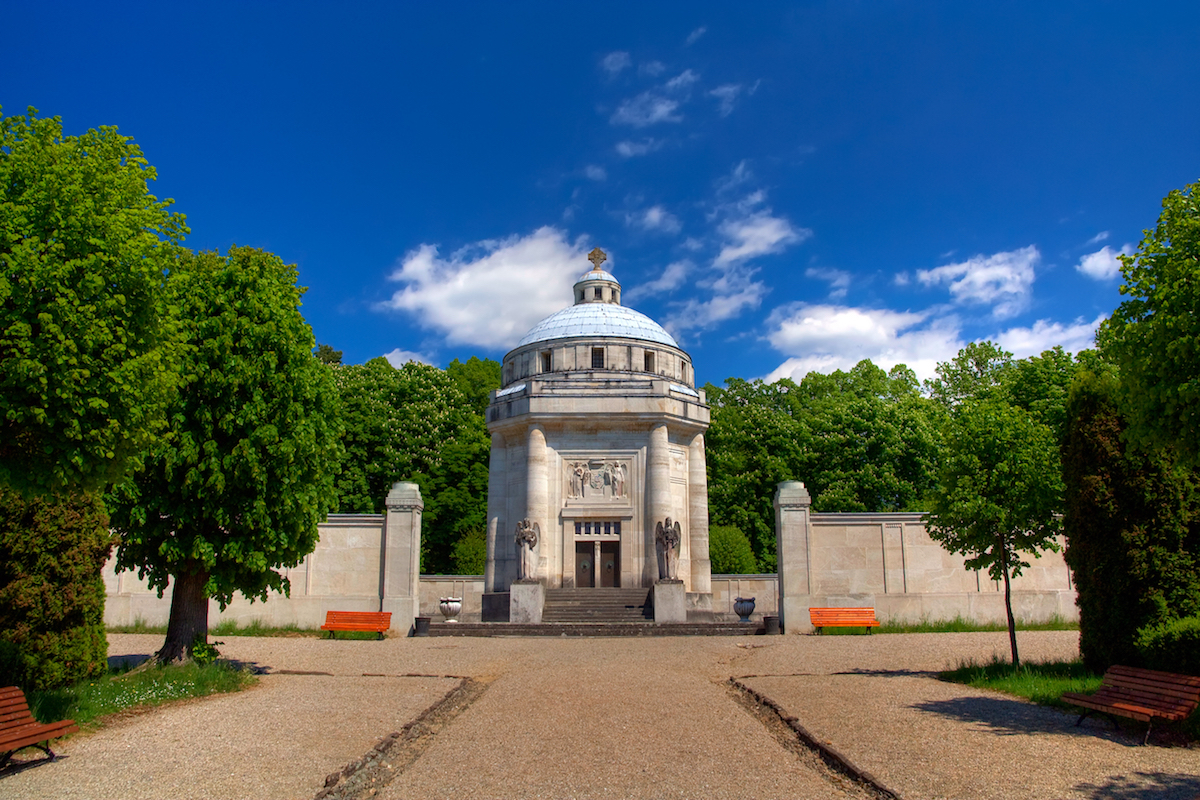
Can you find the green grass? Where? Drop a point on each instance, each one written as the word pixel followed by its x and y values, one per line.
pixel 960 625
pixel 89 701
pixel 1040 681
pixel 230 627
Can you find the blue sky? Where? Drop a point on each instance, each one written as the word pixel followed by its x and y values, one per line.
pixel 785 187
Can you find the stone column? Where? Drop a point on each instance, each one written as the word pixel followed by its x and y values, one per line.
pixel 792 504
pixel 537 495
pixel 658 495
pixel 698 517
pixel 402 555
pixel 496 502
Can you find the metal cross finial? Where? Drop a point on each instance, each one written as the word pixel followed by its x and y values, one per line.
pixel 597 258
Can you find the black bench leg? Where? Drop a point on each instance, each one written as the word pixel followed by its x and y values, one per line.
pixel 1082 717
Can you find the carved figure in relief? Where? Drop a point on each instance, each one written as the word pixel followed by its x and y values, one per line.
pixel 576 472
pixel 618 479
pixel 527 541
pixel 667 536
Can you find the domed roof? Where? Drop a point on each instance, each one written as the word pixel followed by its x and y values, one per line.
pixel 598 319
pixel 597 275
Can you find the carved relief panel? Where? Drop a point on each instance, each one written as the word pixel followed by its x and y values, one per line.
pixel 597 480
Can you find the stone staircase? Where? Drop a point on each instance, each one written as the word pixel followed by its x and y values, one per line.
pixel 598 605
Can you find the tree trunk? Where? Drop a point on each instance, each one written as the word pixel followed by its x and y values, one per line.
pixel 189 614
pixel 1012 622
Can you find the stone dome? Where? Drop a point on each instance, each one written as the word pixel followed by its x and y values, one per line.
pixel 598 320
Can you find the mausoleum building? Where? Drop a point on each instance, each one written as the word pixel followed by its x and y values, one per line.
pixel 597 438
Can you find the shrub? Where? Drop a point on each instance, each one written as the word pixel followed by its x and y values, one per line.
pixel 470 552
pixel 730 551
pixel 51 591
pixel 1171 646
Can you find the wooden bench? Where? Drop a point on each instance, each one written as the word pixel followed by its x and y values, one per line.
pixel 18 728
pixel 1141 694
pixel 843 618
pixel 377 621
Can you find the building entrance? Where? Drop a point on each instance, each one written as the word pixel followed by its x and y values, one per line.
pixel 597 563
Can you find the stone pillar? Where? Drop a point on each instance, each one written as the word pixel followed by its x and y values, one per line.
pixel 792 531
pixel 496 503
pixel 537 500
pixel 698 518
pixel 402 555
pixel 658 495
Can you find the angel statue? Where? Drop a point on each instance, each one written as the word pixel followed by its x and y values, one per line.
pixel 666 536
pixel 527 540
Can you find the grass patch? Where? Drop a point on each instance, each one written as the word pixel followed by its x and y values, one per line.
pixel 89 701
pixel 1040 681
pixel 139 626
pixel 230 627
pixel 960 625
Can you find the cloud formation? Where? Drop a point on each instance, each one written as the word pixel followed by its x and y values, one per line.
pixel 756 234
pixel 694 35
pixel 672 278
pixel 1103 265
pixel 614 63
pixel 655 218
pixel 839 280
pixel 630 148
pixel 657 105
pixel 595 172
pixel 1044 335
pixel 1002 280
pixel 398 358
pixel 489 293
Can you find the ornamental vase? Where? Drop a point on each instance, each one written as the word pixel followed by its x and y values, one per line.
pixel 743 607
pixel 450 608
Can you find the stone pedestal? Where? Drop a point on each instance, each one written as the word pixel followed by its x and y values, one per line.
pixel 496 607
pixel 792 503
pixel 526 599
pixel 670 602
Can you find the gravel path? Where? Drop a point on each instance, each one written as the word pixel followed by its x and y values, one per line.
pixel 613 717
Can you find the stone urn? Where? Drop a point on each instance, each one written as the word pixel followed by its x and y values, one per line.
pixel 743 607
pixel 450 607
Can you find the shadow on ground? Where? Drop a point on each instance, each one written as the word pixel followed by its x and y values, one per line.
pixel 1010 717
pixel 1144 786
pixel 127 661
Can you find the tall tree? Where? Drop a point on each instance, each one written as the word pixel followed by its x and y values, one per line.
pixel 999 494
pixel 978 369
pixel 86 339
pixel 1154 336
pixel 235 492
pixel 477 378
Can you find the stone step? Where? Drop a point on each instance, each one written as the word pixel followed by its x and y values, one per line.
pixel 593 629
pixel 600 605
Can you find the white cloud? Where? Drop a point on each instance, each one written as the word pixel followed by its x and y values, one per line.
pixel 696 34
pixel 630 148
pixel 672 278
pixel 727 94
pixel 595 173
pixel 655 218
pixel 740 175
pixel 823 338
pixel 734 292
pixel 902 279
pixel 656 105
pixel 839 280
pixel 1103 264
pixel 755 234
pixel 682 81
pixel 1003 280
pixel 652 68
pixel 614 63
pixel 398 358
pixel 492 292
pixel 1098 238
pixel 1025 342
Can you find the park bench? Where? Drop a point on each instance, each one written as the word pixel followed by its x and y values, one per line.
pixel 1141 694
pixel 843 618
pixel 377 621
pixel 18 728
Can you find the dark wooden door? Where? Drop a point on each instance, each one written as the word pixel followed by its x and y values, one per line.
pixel 610 564
pixel 585 566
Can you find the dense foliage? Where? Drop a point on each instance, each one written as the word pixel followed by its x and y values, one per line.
pixel 235 492
pixel 51 592
pixel 1154 336
pixel 730 552
pixel 86 341
pixel 1132 522
pixel 416 424
pixel 863 440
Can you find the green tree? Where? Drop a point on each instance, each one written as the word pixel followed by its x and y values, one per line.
pixel 86 339
pixel 730 552
pixel 51 592
pixel 236 490
pixel 470 552
pixel 999 493
pixel 1132 524
pixel 1154 336
pixel 414 423
pixel 327 355
pixel 978 369
pixel 476 378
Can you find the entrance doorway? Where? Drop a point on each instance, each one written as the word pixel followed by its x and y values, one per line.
pixel 597 563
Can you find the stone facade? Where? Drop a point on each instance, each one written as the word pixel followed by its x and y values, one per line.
pixel 597 436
